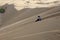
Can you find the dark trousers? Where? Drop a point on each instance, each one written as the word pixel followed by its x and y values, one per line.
pixel 38 20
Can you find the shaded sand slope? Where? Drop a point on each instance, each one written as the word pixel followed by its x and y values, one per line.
pixel 27 29
pixel 46 29
pixel 12 15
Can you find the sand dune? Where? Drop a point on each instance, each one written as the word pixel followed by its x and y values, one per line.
pixel 27 29
pixel 21 25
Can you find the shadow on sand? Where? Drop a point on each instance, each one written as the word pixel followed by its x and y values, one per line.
pixel 11 13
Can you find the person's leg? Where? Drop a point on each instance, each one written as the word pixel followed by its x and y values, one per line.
pixel 37 20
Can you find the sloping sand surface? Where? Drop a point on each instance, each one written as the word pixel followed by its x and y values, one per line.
pixel 20 24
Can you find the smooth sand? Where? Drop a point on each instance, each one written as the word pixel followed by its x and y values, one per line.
pixel 21 25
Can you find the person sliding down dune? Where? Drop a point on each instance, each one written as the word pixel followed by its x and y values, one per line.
pixel 39 19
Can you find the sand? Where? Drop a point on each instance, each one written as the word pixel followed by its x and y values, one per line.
pixel 18 22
